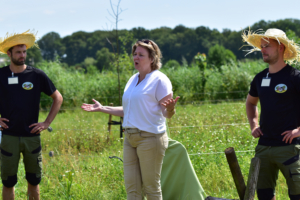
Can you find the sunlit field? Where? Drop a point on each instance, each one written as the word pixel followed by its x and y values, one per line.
pixel 81 167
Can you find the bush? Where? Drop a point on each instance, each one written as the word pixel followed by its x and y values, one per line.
pixel 171 64
pixel 218 56
pixel 77 87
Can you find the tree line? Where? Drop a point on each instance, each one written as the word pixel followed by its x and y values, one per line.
pixel 180 43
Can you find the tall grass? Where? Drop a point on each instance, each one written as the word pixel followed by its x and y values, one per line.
pixel 81 168
pixel 232 82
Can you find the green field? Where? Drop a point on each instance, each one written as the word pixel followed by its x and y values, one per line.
pixel 81 168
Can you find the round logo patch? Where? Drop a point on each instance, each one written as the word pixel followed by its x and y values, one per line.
pixel 281 88
pixel 27 86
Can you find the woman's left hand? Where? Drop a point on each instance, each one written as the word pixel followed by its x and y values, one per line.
pixel 169 104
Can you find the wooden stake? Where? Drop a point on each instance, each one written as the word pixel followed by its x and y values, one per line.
pixel 252 179
pixel 109 125
pixel 236 172
pixel 109 120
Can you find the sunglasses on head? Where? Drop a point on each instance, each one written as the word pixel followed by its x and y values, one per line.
pixel 145 41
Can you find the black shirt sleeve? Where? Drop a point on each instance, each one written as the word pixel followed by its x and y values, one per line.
pixel 297 80
pixel 253 89
pixel 46 84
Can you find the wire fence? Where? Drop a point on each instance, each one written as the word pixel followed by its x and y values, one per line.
pixel 194 103
pixel 172 127
pixel 51 153
pixel 198 154
pixel 116 97
pixel 194 154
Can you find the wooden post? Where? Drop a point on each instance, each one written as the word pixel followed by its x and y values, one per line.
pixel 236 172
pixel 109 120
pixel 109 125
pixel 252 179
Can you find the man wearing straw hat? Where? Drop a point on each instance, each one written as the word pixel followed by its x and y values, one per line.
pixel 20 89
pixel 278 90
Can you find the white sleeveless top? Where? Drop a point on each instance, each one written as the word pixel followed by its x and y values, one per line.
pixel 141 102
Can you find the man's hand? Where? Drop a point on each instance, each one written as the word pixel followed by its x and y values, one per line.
pixel 2 124
pixel 38 127
pixel 256 132
pixel 290 135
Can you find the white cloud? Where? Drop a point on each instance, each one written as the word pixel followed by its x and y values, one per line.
pixel 1 19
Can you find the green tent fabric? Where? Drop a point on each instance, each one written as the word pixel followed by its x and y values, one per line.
pixel 178 178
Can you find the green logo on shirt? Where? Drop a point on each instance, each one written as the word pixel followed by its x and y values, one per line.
pixel 27 86
pixel 280 88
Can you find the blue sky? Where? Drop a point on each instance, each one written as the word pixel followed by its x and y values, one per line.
pixel 68 16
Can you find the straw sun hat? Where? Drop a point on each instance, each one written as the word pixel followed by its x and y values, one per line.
pixel 253 38
pixel 28 38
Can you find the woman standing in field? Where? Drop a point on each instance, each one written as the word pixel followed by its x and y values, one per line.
pixel 147 102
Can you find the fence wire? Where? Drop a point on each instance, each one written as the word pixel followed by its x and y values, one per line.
pixel 116 97
pixel 194 126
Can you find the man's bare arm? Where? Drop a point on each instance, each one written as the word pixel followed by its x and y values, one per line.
pixel 252 114
pixel 57 101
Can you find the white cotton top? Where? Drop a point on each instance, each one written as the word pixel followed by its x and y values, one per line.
pixel 141 102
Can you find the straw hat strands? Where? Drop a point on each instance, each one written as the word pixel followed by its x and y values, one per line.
pixel 253 38
pixel 10 40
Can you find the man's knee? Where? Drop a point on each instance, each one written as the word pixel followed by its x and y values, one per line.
pixel 265 194
pixel 11 181
pixel 32 179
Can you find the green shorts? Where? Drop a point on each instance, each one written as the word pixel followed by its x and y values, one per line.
pixel 12 146
pixel 273 159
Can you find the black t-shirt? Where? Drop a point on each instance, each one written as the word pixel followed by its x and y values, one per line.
pixel 19 103
pixel 279 104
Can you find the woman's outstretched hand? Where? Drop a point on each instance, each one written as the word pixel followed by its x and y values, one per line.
pixel 169 104
pixel 92 107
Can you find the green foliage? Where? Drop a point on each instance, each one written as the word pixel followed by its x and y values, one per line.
pixel 174 43
pixel 234 80
pixel 81 168
pixel 4 60
pixel 186 82
pixel 89 61
pixel 126 64
pixel 51 46
pixel 79 85
pixel 292 36
pixel 218 56
pixel 104 59
pixel 200 60
pixel 34 56
pixel 76 86
pixel 171 64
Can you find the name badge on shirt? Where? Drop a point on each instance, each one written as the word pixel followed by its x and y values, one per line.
pixel 265 82
pixel 13 80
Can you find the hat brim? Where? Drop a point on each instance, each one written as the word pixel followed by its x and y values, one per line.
pixel 25 38
pixel 292 50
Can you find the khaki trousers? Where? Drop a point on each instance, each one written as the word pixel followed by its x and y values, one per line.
pixel 143 158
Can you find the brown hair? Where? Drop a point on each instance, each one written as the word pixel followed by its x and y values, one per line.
pixel 153 50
